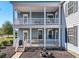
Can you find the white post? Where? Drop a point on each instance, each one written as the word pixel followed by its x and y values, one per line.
pixel 30 25
pixel 55 18
pixel 44 37
pixel 44 15
pixel 14 38
pixel 13 28
pixel 13 17
pixel 55 35
pixel 44 27
pixel 59 25
pixel 18 36
pixel 30 15
pixel 30 35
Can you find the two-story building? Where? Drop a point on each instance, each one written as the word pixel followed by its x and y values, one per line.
pixel 38 24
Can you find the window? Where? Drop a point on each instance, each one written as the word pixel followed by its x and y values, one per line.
pixel 70 4
pixel 71 7
pixel 70 10
pixel 50 34
pixel 66 10
pixel 75 6
pixel 40 34
pixel 50 18
pixel 72 35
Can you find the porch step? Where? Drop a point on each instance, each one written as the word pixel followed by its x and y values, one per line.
pixel 20 49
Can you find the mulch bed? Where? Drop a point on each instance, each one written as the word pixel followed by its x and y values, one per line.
pixel 35 53
pixel 9 50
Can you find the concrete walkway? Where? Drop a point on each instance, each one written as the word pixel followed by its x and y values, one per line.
pixel 17 55
pixel 73 53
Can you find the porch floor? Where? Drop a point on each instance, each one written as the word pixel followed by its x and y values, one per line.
pixel 33 52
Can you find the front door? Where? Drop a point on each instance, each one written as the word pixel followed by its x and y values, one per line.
pixel 25 37
pixel 40 37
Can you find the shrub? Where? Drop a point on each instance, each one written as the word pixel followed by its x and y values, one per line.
pixel 0 45
pixel 11 42
pixel 5 43
pixel 2 55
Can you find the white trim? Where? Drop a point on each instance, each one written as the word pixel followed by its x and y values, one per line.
pixel 44 27
pixel 59 25
pixel 30 35
pixel 30 25
pixel 14 37
pixel 44 15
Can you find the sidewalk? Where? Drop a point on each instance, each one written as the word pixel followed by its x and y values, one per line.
pixel 73 53
pixel 17 55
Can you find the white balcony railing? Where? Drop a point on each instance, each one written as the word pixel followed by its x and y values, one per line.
pixel 37 21
pixel 50 21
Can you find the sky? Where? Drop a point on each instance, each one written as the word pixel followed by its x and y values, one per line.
pixel 6 12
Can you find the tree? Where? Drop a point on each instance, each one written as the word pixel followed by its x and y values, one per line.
pixel 7 28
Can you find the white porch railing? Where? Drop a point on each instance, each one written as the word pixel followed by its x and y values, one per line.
pixel 37 41
pixel 51 41
pixel 50 21
pixel 16 43
pixel 37 21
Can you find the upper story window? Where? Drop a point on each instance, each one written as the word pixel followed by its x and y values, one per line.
pixel 71 7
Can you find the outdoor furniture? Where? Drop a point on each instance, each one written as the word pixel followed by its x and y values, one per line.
pixel 45 53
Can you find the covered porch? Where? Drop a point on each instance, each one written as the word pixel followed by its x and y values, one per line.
pixel 35 37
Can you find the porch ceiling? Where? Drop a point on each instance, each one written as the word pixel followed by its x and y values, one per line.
pixel 35 8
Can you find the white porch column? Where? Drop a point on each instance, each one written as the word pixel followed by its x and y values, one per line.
pixel 44 27
pixel 15 17
pixel 44 15
pixel 30 25
pixel 55 35
pixel 14 27
pixel 55 17
pixel 59 25
pixel 30 35
pixel 14 37
pixel 44 37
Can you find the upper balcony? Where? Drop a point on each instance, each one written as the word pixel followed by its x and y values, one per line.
pixel 36 14
pixel 36 21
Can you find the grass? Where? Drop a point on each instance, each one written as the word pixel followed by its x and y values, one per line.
pixel 5 39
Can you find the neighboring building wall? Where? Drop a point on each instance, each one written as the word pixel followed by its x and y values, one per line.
pixel 72 20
